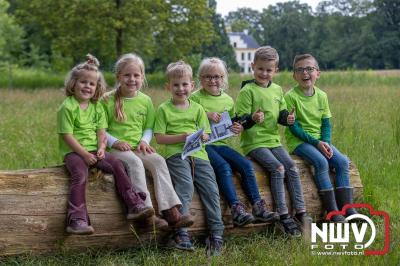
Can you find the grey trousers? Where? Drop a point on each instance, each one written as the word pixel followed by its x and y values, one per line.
pixel 203 178
pixel 271 159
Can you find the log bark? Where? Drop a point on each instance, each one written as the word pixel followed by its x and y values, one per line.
pixel 33 210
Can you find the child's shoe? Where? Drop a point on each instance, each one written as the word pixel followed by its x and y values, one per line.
pixel 239 215
pixel 181 240
pixel 214 245
pixel 261 214
pixel 154 223
pixel 175 219
pixel 289 226
pixel 79 227
pixel 139 212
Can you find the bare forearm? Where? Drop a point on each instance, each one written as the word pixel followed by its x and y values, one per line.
pixel 101 139
pixel 170 139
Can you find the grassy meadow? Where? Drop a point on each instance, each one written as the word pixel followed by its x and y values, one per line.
pixel 366 127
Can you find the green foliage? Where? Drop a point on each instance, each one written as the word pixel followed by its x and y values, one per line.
pixel 10 35
pixel 220 45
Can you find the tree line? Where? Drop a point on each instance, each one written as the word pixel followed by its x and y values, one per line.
pixel 342 34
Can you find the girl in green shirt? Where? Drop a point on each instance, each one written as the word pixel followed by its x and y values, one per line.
pixel 81 127
pixel 130 114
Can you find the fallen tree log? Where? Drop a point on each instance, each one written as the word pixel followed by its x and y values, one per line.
pixel 33 210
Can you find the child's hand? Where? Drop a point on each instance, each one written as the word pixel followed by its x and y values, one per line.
pixel 258 116
pixel 145 148
pixel 292 116
pixel 101 154
pixel 214 116
pixel 325 149
pixel 205 137
pixel 122 146
pixel 90 159
pixel 236 128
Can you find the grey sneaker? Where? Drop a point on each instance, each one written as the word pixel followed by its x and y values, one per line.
pixel 239 215
pixel 261 214
pixel 288 226
pixel 181 240
pixel 214 245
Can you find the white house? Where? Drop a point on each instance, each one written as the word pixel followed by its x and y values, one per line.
pixel 244 46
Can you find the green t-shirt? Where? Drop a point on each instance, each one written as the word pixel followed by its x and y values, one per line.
pixel 310 110
pixel 215 103
pixel 82 124
pixel 271 101
pixel 139 115
pixel 173 121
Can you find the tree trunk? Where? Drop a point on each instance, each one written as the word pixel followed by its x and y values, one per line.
pixel 33 209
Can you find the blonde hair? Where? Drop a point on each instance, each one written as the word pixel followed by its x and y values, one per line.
pixel 300 57
pixel 266 53
pixel 122 62
pixel 210 63
pixel 91 64
pixel 179 69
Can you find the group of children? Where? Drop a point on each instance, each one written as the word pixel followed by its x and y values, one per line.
pixel 124 120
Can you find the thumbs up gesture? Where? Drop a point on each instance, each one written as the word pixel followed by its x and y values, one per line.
pixel 292 116
pixel 258 116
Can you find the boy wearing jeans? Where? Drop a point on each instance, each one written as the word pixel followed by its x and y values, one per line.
pixel 264 100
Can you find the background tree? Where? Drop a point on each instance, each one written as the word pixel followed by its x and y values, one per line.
pixel 10 35
pixel 220 45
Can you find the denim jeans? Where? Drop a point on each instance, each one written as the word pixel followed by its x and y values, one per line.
pixel 223 159
pixel 194 172
pixel 322 164
pixel 273 160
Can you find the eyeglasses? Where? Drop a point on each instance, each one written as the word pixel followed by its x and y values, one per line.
pixel 309 70
pixel 210 78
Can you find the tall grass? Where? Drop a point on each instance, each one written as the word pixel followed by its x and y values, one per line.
pixel 366 127
pixel 42 79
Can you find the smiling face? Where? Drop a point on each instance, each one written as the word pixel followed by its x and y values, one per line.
pixel 306 73
pixel 180 88
pixel 85 86
pixel 212 79
pixel 264 71
pixel 130 79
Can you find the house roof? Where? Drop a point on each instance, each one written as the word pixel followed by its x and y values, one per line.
pixel 247 39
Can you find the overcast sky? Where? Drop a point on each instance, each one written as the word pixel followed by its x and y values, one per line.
pixel 224 6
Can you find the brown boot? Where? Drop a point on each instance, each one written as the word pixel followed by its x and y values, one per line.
pixel 175 219
pixel 157 223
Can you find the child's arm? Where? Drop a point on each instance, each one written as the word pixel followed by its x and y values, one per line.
pixel 144 144
pixel 287 118
pixel 101 143
pixel 70 140
pixel 326 130
pixel 170 139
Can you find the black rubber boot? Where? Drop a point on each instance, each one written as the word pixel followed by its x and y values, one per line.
pixel 329 203
pixel 344 195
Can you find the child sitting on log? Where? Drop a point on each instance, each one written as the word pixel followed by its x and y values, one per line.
pixel 264 100
pixel 213 78
pixel 130 116
pixel 310 136
pixel 176 119
pixel 81 124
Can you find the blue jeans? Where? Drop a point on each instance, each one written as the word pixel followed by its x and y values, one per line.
pixel 322 164
pixel 223 159
pixel 194 172
pixel 279 164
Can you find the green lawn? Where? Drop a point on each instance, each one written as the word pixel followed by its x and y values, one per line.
pixel 366 126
